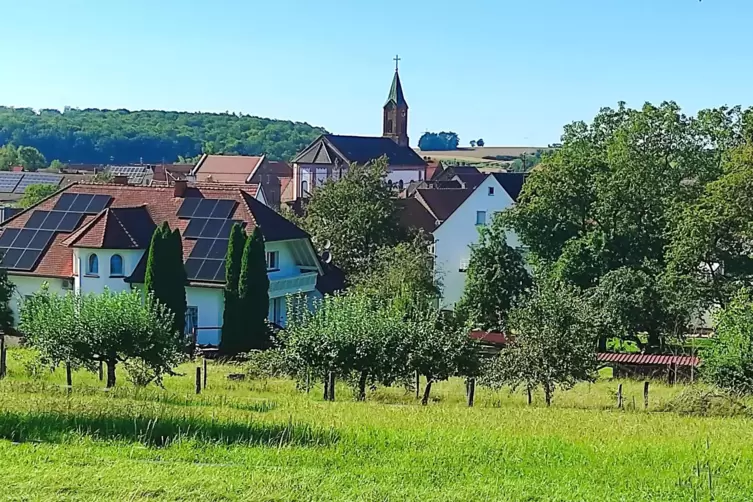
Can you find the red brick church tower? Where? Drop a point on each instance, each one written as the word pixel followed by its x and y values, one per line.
pixel 395 125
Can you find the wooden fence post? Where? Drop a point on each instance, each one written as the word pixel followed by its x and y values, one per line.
pixel 205 373
pixel 68 377
pixel 471 391
pixel 198 380
pixel 529 396
pixel 308 380
pixel 645 395
pixel 619 396
pixel 418 385
pixel 101 371
pixel 331 385
pixel 2 357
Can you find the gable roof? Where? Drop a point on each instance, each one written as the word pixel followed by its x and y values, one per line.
pixel 131 215
pixel 512 183
pixel 396 92
pixel 359 150
pixel 116 228
pixel 443 202
pixel 226 168
pixel 413 214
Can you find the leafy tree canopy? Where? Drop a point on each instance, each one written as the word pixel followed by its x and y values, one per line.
pixel 438 141
pixel 35 193
pixel 122 136
pixel 357 215
pixel 496 280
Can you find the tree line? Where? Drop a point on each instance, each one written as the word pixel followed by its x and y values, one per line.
pixel 93 136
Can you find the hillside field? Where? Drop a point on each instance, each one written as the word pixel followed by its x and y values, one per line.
pixel 264 441
pixel 475 156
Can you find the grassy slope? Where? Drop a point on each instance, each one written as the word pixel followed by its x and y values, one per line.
pixel 264 441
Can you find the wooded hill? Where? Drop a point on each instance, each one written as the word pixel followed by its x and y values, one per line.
pixel 94 136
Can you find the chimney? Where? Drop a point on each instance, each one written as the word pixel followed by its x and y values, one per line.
pixel 120 179
pixel 180 188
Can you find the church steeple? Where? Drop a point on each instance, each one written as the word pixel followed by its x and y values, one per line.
pixel 395 117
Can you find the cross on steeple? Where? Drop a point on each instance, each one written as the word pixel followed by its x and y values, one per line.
pixel 396 59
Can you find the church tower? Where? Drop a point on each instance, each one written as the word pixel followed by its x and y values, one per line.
pixel 395 123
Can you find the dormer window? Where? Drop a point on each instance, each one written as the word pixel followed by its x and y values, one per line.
pixel 92 265
pixel 116 266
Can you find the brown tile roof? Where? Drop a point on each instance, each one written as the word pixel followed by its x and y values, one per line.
pixel 126 222
pixel 226 168
pixel 169 172
pixel 443 202
pixel 413 214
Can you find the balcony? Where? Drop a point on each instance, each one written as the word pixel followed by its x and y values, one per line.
pixel 302 283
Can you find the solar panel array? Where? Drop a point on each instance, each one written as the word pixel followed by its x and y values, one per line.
pixel 17 182
pixel 136 174
pixel 210 225
pixel 21 248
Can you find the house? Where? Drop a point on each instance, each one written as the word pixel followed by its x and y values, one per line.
pixel 452 216
pixel 169 173
pixel 88 237
pixel 273 176
pixel 330 155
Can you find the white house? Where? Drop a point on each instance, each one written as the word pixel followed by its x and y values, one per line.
pixel 453 217
pixel 88 237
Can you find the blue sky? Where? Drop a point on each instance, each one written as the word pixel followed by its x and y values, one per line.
pixel 510 71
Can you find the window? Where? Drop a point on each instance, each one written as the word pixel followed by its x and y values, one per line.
pixel 304 187
pixel 272 261
pixel 480 217
pixel 491 190
pixel 92 265
pixel 116 266
pixel 192 320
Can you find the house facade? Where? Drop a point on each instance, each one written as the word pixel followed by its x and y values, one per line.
pixel 330 155
pixel 88 237
pixel 453 216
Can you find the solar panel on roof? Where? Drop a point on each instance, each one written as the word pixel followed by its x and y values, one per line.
pixel 98 203
pixel 28 259
pixel 201 248
pixel 209 270
pixel 220 275
pixel 53 220
pixel 192 267
pixel 223 209
pixel 219 249
pixel 81 202
pixel 24 238
pixel 36 219
pixel 70 222
pixel 188 206
pixel 212 228
pixel 194 228
pixel 10 257
pixel 41 239
pixel 206 206
pixel 64 201
pixel 8 236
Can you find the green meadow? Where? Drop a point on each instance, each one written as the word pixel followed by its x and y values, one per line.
pixel 265 441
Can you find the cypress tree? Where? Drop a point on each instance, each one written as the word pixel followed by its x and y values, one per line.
pixel 253 292
pixel 178 281
pixel 166 275
pixel 232 316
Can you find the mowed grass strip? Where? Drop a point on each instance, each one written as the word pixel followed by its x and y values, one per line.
pixel 97 445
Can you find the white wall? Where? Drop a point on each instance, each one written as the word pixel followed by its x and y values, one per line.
pixel 453 238
pixel 406 176
pixel 27 286
pixel 210 303
pixel 88 283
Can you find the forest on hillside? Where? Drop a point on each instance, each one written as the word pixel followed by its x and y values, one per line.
pixel 94 136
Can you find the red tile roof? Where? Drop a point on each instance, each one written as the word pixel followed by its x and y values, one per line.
pixel 226 168
pixel 170 172
pixel 489 337
pixel 648 359
pixel 124 223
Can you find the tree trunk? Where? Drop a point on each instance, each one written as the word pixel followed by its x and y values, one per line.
pixel 326 387
pixel 362 385
pixel 427 391
pixel 68 377
pixel 111 373
pixel 548 393
pixel 602 344
pixel 529 395
pixel 331 385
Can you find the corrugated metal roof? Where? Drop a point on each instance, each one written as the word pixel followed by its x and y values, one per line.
pixel 649 359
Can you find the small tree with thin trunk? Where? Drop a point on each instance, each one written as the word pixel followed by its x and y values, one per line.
pixel 253 293
pixel 553 345
pixel 439 351
pixel 233 322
